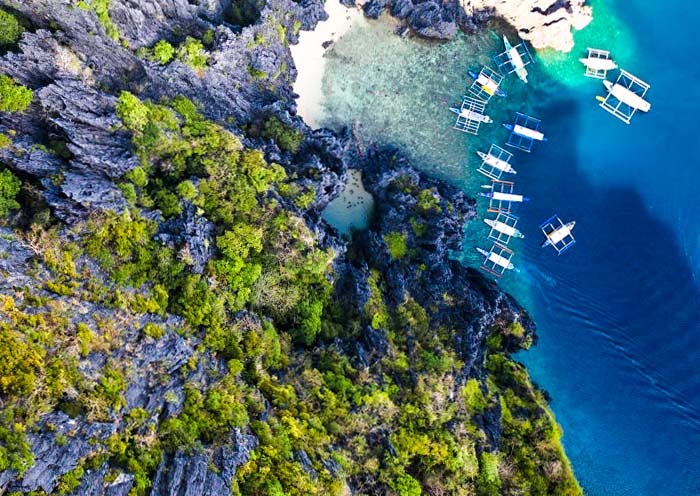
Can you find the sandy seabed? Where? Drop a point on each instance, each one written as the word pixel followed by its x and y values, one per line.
pixel 309 58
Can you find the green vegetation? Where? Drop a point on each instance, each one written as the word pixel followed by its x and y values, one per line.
pixel 9 189
pixel 70 480
pixel 474 399
pixel 13 96
pixel 10 29
pixel 153 330
pixel 192 53
pixel 257 73
pixel 302 197
pixel 101 9
pixel 286 137
pixel 530 436
pixel 396 243
pixel 427 202
pixel 163 52
pixel 274 339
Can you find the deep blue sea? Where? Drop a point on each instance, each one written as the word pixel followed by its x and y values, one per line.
pixel 619 314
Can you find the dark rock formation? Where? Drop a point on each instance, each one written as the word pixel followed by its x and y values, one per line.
pixel 53 459
pixel 193 233
pixel 432 20
pixel 480 300
pixel 374 8
pixel 191 475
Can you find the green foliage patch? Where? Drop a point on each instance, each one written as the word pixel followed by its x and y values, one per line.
pixel 13 96
pixel 10 29
pixel 288 138
pixel 396 244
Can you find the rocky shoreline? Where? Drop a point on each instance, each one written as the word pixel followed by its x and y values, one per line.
pixel 141 371
pixel 542 23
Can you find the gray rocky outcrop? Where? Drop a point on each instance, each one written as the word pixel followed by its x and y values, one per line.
pixel 192 475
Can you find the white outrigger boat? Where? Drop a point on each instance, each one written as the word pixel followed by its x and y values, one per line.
pixel 557 234
pixel 501 196
pixel 524 131
pixel 496 163
pixel 598 63
pixel 470 115
pixel 486 84
pixel 506 197
pixel 514 59
pixel 625 96
pixel 503 228
pixel 497 259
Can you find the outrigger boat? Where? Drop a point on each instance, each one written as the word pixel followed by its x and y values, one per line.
pixel 470 115
pixel 502 195
pixel 508 197
pixel 524 132
pixel 557 234
pixel 625 96
pixel 503 228
pixel 598 63
pixel 497 260
pixel 486 83
pixel 514 59
pixel 496 162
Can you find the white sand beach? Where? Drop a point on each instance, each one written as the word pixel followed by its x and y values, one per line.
pixel 309 58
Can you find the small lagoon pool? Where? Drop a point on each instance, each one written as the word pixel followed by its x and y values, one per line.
pixel 352 210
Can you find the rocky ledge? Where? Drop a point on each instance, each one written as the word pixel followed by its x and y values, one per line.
pixel 544 23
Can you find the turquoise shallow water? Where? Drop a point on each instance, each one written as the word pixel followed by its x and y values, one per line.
pixel 618 315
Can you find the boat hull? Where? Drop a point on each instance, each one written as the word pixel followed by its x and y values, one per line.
pixel 627 96
pixel 525 132
pixel 503 228
pixel 505 197
pixel 599 64
pixel 516 60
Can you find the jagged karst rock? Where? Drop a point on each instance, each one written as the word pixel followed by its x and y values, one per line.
pixel 53 459
pixel 469 302
pixel 87 118
pixel 77 73
pixel 192 234
pixel 543 23
pixel 94 483
pixel 187 475
pixel 401 9
pixel 154 20
pixel 374 8
pixel 191 475
pixel 431 20
pixel 303 458
pixel 92 191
